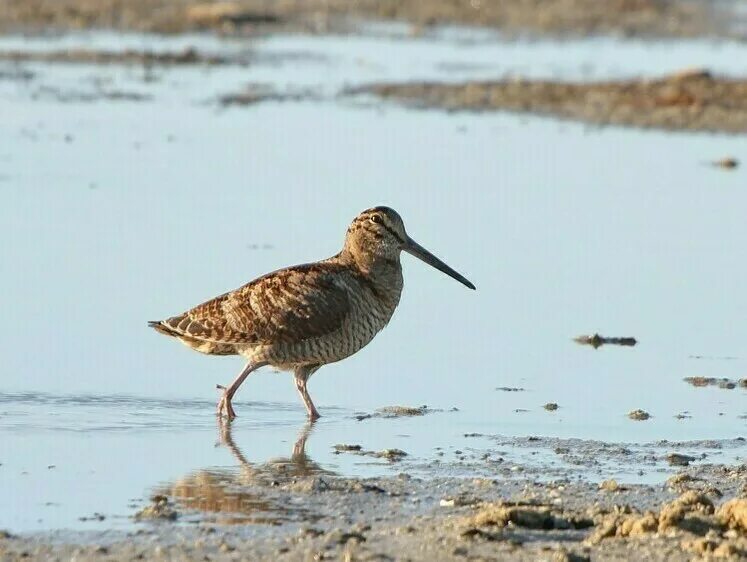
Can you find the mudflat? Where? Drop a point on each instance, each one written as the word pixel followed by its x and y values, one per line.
pixel 289 511
pixel 647 18
pixel 692 100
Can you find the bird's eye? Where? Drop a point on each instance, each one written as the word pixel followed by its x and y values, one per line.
pixel 376 219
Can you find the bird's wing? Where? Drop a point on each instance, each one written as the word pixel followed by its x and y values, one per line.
pixel 289 305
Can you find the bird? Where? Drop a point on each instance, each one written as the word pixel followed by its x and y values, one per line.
pixel 303 317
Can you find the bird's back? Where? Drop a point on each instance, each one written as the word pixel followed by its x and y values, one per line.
pixel 322 311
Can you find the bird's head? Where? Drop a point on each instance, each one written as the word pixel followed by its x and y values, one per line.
pixel 379 234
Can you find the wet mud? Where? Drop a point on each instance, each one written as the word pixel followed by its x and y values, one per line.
pixel 692 100
pixel 289 509
pixel 727 384
pixel 649 18
pixel 253 94
pixel 596 341
pixel 186 56
pixel 398 412
pixel 639 415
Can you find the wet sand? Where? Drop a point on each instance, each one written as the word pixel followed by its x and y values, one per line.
pixel 649 18
pixel 692 100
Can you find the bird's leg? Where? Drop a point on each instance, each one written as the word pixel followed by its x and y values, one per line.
pixel 299 448
pixel 302 374
pixel 224 404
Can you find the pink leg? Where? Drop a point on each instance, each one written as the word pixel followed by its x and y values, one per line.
pixel 224 404
pixel 302 375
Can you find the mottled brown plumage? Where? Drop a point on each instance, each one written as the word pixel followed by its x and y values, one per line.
pixel 306 316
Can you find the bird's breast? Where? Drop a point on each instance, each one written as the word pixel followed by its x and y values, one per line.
pixel 373 303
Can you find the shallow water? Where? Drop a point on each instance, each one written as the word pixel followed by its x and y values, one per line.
pixel 116 213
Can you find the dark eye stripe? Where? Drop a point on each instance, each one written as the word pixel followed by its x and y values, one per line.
pixel 392 232
pixel 382 223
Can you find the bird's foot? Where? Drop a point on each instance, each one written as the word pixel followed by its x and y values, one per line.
pixel 224 404
pixel 314 415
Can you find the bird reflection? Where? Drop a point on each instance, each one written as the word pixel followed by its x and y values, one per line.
pixel 246 495
pixel 299 464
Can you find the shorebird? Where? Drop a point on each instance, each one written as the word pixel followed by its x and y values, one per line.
pixel 306 316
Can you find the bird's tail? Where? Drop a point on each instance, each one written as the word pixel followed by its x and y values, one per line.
pixel 160 327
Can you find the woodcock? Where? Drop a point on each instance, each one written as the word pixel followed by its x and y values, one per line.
pixel 303 317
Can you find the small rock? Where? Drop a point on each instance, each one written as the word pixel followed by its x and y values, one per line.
pixel 677 459
pixel 550 406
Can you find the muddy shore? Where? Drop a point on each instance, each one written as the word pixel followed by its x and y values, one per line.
pixel 694 100
pixel 292 511
pixel 646 18
pixel 292 508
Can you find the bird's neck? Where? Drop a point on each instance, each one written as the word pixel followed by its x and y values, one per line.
pixel 383 273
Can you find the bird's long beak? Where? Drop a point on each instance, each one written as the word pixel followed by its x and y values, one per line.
pixel 412 247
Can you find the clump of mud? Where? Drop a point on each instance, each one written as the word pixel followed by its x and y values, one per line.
pixel 402 411
pixel 530 516
pixel 391 455
pixel 690 514
pixel 344 448
pixel 253 94
pixel 611 486
pixel 727 163
pixel 695 100
pixel 733 514
pixel 639 415
pixel 596 341
pixel 160 508
pixel 725 383
pixel 397 412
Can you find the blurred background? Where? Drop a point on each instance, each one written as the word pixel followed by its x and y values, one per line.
pixel 581 161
